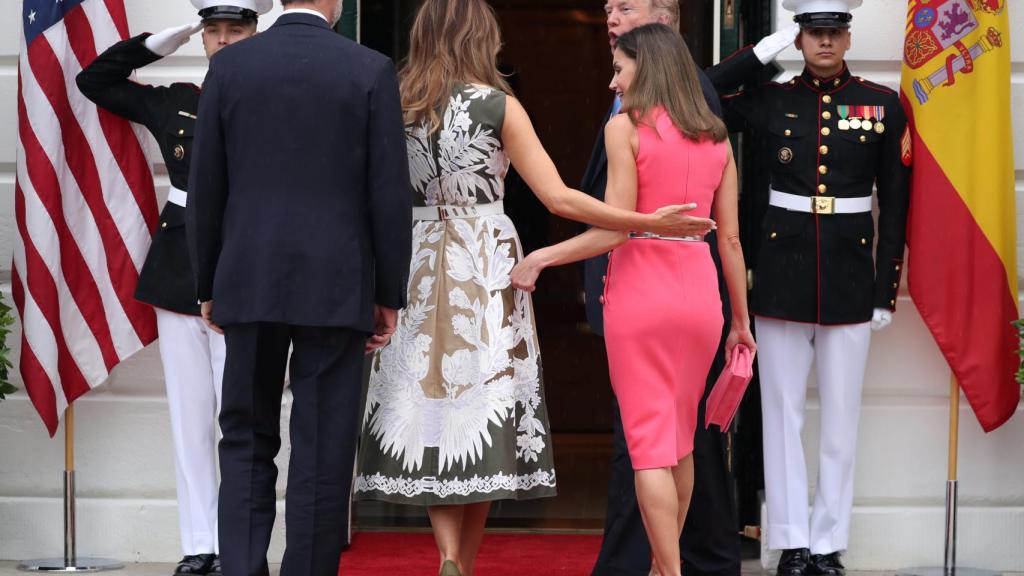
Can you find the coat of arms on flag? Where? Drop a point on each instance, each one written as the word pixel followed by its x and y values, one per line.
pixel 937 27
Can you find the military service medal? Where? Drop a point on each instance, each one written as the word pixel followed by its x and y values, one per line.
pixel 844 111
pixel 879 116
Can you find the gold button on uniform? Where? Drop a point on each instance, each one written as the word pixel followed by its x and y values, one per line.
pixel 788 132
pixel 773 235
pixel 822 188
pixel 863 241
pixel 825 131
pixel 826 99
pixel 895 285
pixel 823 150
pixel 816 82
pixel 863 138
pixel 163 224
pixel 181 132
pixel 892 302
pixel 826 115
pixel 897 267
pixel 822 169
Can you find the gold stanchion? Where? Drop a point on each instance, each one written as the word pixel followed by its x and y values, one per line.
pixel 949 567
pixel 70 562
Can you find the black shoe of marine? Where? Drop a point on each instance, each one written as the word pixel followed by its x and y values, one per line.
pixel 826 565
pixel 194 564
pixel 794 562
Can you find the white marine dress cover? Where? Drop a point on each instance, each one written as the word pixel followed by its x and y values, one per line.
pixel 455 409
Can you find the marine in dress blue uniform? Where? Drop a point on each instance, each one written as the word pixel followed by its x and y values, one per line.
pixel 192 354
pixel 823 278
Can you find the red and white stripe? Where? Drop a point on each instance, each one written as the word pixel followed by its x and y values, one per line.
pixel 85 207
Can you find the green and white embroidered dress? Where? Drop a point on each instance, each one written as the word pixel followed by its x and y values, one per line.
pixel 455 410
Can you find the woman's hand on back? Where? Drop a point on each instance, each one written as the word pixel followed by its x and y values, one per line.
pixel 674 221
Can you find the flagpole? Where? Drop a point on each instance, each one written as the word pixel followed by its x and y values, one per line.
pixel 70 562
pixel 949 558
pixel 949 567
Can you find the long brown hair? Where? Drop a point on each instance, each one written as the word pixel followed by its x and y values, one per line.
pixel 451 41
pixel 666 76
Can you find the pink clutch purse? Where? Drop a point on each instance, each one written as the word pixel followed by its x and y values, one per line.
pixel 729 389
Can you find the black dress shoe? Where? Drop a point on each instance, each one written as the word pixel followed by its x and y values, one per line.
pixel 215 567
pixel 794 562
pixel 826 564
pixel 195 564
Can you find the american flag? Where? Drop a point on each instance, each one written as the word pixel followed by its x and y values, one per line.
pixel 84 205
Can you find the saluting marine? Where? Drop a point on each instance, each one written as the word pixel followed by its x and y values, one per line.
pixel 192 354
pixel 822 280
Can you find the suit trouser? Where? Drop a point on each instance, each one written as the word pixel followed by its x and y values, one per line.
pixel 325 380
pixel 193 359
pixel 785 351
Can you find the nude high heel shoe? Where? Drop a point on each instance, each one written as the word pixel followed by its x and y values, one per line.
pixel 449 568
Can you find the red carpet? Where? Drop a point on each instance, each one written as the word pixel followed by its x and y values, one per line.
pixel 414 554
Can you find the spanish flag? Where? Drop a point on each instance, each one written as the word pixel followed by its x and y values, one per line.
pixel 962 269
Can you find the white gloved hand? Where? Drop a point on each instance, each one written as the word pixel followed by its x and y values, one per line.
pixel 880 319
pixel 166 42
pixel 769 47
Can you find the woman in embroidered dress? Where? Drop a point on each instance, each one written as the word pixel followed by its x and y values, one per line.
pixel 455 415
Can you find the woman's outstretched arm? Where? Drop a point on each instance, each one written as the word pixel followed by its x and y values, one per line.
pixel 621 143
pixel 733 267
pixel 535 166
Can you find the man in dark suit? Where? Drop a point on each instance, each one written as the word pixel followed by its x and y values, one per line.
pixel 710 542
pixel 299 227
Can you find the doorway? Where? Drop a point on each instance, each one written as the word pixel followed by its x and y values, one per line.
pixel 557 57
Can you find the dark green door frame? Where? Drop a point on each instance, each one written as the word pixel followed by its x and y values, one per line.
pixel 348 26
pixel 744 22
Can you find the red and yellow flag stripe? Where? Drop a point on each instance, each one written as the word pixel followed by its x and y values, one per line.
pixel 962 231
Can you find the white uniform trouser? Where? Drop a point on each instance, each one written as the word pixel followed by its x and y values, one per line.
pixel 193 358
pixel 785 351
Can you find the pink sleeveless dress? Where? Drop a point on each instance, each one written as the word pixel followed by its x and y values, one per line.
pixel 662 309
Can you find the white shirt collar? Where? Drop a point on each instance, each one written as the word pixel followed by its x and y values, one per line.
pixel 305 11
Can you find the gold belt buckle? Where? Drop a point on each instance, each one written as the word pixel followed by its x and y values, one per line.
pixel 823 205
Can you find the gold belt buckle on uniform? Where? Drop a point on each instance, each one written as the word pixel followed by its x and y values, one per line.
pixel 823 205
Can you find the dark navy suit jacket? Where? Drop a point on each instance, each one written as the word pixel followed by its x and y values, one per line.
pixel 300 208
pixel 595 179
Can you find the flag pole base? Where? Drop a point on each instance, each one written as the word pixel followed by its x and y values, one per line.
pixel 940 571
pixel 77 565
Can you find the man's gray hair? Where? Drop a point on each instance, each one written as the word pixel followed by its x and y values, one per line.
pixel 668 8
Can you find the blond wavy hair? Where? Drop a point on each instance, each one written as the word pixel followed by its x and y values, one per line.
pixel 670 8
pixel 451 42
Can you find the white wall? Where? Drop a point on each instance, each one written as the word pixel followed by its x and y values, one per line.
pixel 901 470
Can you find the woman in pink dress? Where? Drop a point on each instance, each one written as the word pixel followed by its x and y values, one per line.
pixel 662 309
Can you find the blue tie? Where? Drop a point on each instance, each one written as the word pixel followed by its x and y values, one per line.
pixel 616 105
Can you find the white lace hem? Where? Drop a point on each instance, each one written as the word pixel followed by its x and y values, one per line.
pixel 412 487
